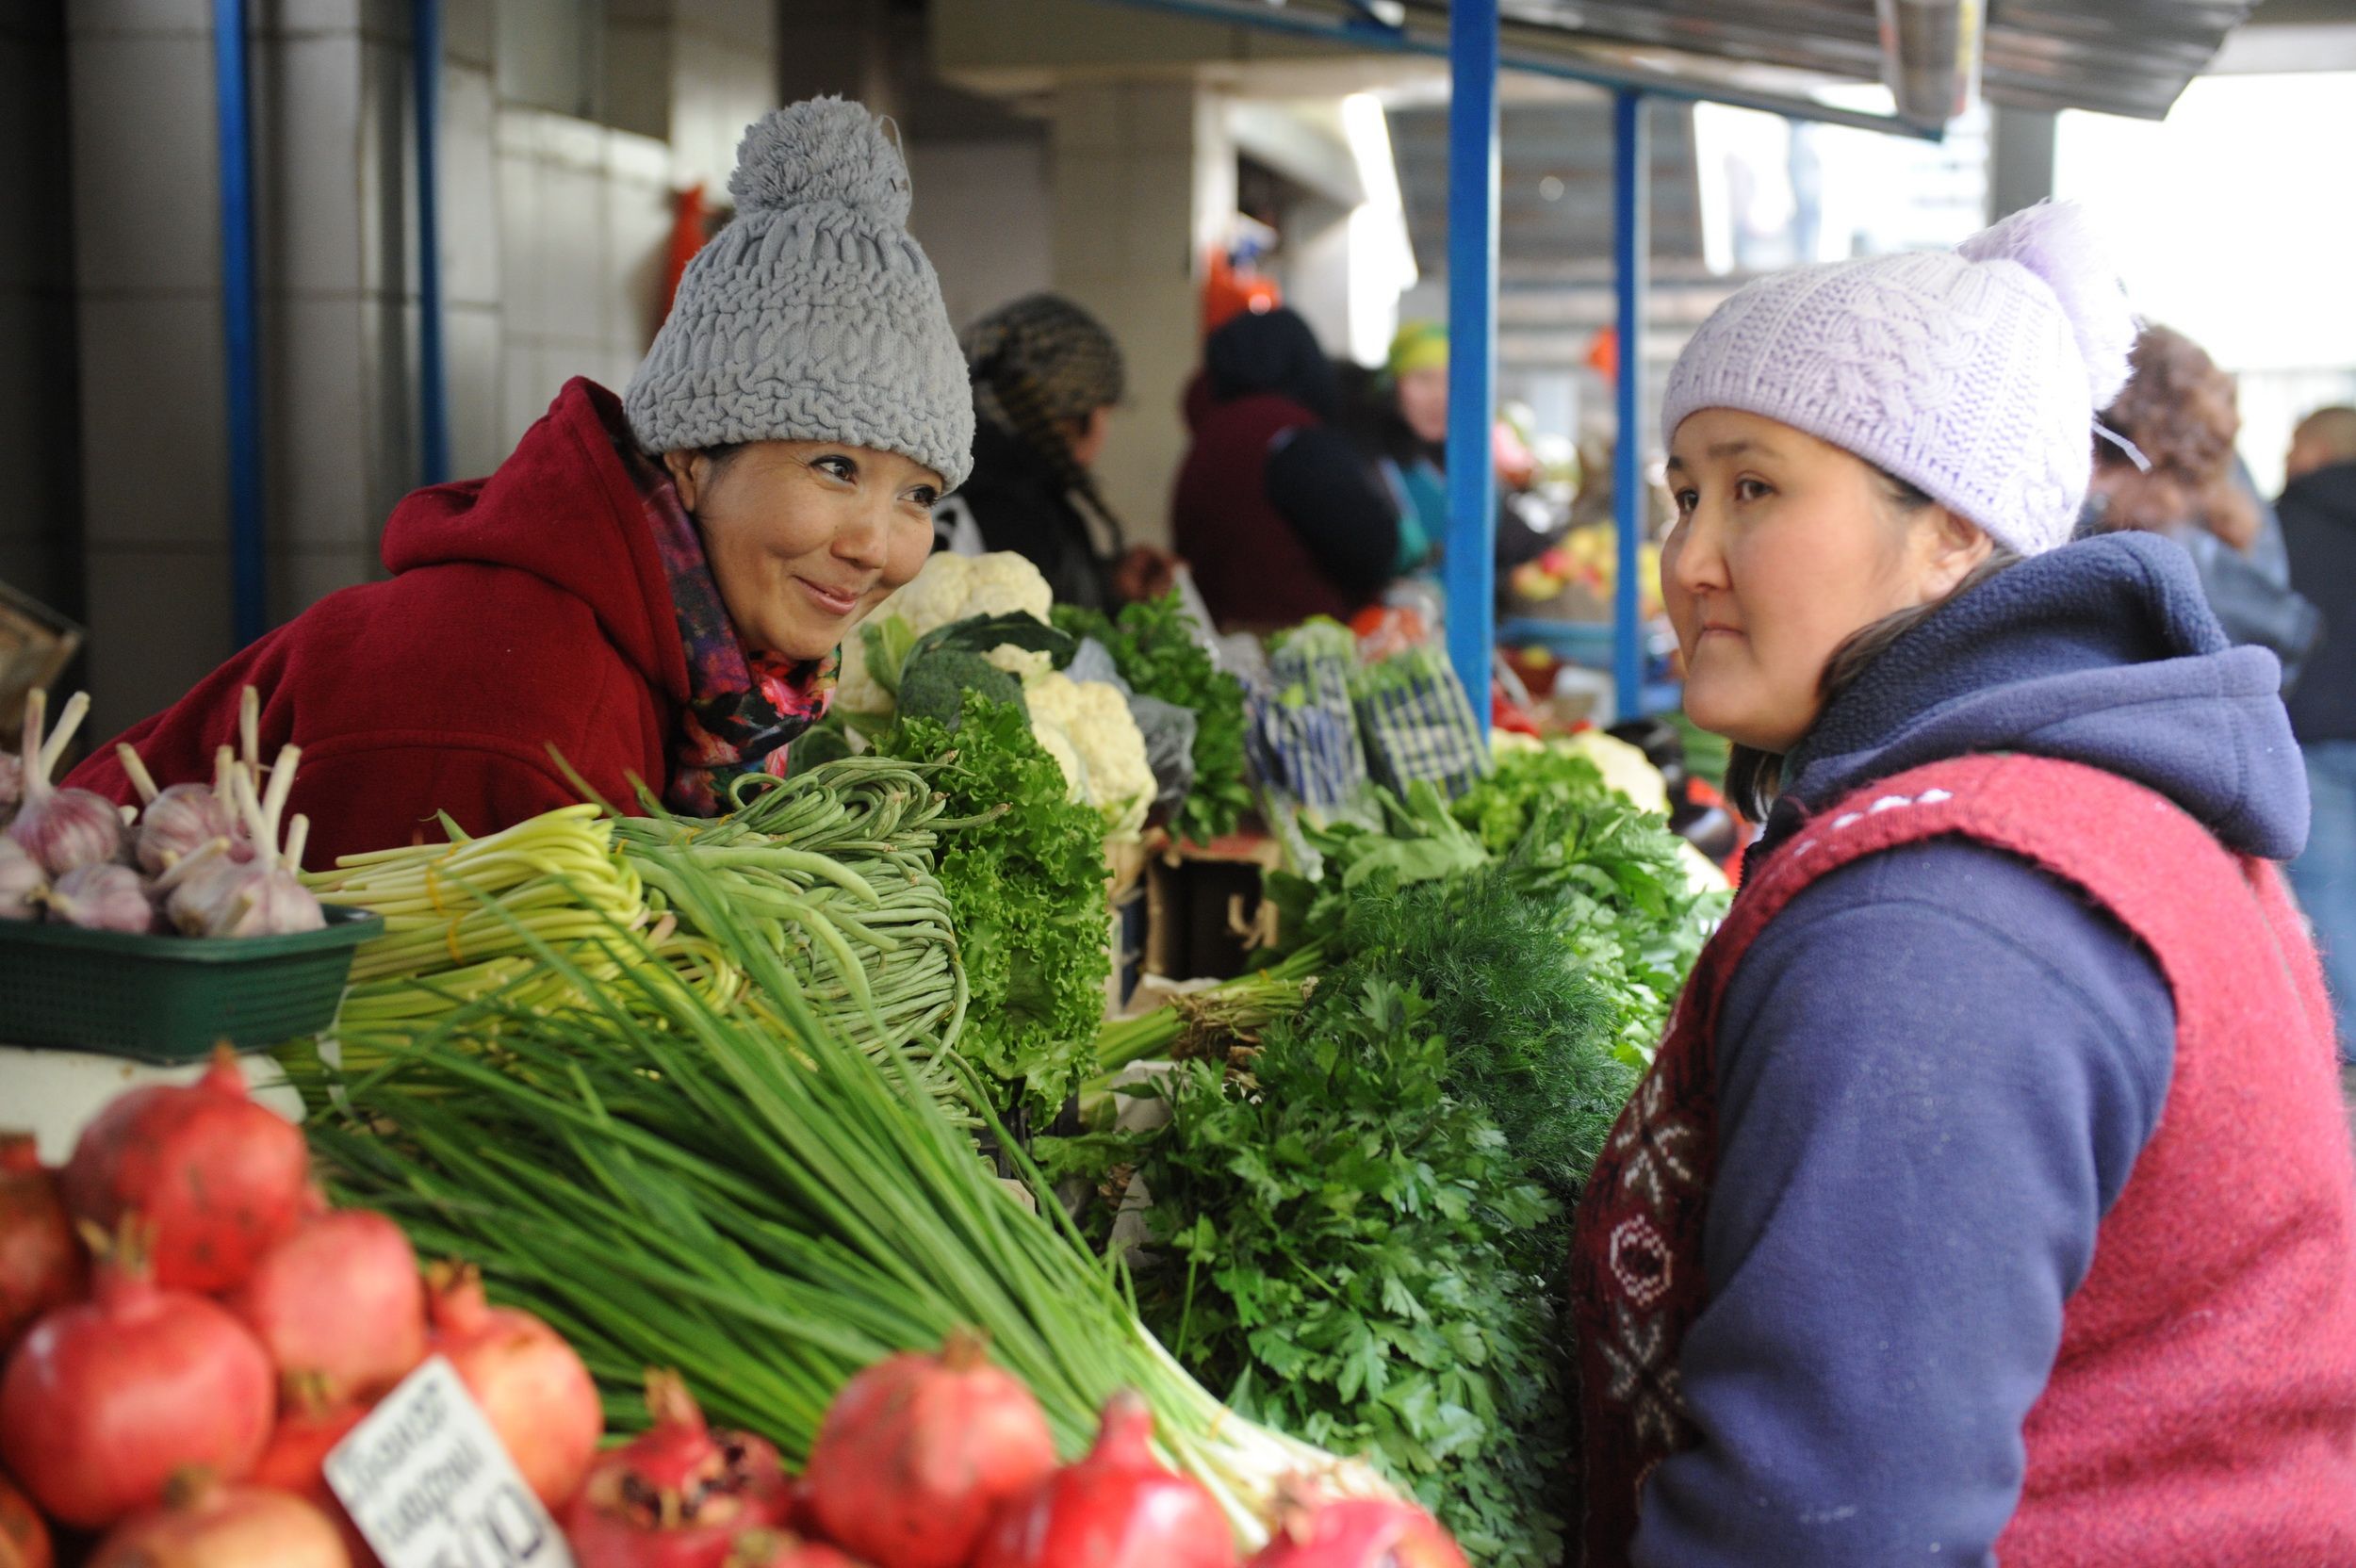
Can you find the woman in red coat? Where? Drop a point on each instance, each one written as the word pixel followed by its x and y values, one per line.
pixel 651 587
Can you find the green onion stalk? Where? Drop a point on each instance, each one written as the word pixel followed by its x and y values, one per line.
pixel 833 870
pixel 760 1206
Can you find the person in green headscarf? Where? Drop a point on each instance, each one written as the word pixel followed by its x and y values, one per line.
pixel 1410 438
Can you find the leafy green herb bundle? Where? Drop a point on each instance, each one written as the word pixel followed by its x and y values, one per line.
pixel 1154 647
pixel 1345 1248
pixel 1026 891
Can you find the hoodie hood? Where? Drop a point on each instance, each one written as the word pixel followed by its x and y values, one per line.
pixel 2104 652
pixel 1273 351
pixel 564 507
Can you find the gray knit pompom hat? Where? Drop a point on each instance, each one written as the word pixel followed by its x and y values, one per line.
pixel 812 316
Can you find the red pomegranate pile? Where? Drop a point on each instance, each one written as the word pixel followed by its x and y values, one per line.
pixel 189 1330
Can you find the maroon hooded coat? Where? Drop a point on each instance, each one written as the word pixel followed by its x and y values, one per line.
pixel 526 611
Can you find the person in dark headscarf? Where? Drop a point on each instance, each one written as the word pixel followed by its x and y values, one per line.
pixel 1046 378
pixel 1277 513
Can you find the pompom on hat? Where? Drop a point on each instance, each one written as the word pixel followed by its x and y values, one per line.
pixel 1974 374
pixel 812 316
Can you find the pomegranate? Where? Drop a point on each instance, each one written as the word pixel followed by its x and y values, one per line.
pixel 341 1298
pixel 776 1549
pixel 1115 1508
pixel 41 1263
pixel 679 1495
pixel 23 1539
pixel 105 1400
pixel 221 1178
pixel 916 1452
pixel 205 1524
pixel 1356 1532
pixel 531 1386
pixel 310 1424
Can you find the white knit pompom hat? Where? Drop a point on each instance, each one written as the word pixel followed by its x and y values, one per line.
pixel 1974 374
pixel 812 316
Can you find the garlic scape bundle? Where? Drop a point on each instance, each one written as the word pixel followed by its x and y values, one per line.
pixel 61 829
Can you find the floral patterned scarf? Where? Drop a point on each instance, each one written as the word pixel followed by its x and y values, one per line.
pixel 741 707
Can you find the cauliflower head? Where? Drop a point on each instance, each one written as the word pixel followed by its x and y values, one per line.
pixel 949 588
pixel 1084 725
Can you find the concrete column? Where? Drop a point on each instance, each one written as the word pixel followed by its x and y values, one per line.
pixel 40 549
pixel 147 279
pixel 2020 159
pixel 1142 176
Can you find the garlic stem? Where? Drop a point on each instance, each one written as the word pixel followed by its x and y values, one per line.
pixel 136 770
pixel 249 810
pixel 68 720
pixel 224 768
pixel 250 727
pixel 282 777
pixel 297 836
pixel 180 869
pixel 36 719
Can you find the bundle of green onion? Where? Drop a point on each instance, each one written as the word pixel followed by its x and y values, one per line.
pixel 832 870
pixel 674 1184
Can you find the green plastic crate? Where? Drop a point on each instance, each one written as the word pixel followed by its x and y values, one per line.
pixel 172 999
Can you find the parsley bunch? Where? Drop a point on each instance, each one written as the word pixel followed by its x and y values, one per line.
pixel 1345 1251
pixel 1153 644
pixel 1025 877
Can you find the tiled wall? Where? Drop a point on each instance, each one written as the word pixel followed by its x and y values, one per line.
pixel 553 234
pixel 40 523
pixel 585 222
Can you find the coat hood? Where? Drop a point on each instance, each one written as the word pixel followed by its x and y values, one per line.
pixel 2104 652
pixel 564 507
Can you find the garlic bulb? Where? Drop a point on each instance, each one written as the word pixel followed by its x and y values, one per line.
pixel 101 898
pixel 61 828
pixel 22 882
pixel 183 818
pixel 263 897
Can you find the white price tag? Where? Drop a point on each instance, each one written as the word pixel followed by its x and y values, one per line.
pixel 425 1479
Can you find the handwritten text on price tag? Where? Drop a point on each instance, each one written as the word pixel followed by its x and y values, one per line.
pixel 426 1481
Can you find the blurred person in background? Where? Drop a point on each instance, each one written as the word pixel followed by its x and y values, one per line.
pixel 2318 510
pixel 2180 415
pixel 1046 378
pixel 1275 512
pixel 1398 415
pixel 652 586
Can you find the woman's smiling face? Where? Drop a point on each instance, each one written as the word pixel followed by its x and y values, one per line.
pixel 806 537
pixel 1784 547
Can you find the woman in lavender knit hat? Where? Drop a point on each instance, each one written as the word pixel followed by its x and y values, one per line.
pixel 1989 1199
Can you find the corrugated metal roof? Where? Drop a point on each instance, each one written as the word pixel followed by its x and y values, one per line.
pixel 2117 57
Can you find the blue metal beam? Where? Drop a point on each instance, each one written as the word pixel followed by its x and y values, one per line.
pixel 1470 567
pixel 1631 265
pixel 240 311
pixel 425 32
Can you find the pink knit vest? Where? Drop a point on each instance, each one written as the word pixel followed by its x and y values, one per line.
pixel 2202 1407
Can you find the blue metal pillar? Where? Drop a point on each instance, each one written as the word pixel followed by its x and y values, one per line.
pixel 240 309
pixel 425 30
pixel 1631 259
pixel 1471 573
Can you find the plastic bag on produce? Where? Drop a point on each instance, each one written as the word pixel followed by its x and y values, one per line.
pixel 1169 731
pixel 1418 725
pixel 1092 661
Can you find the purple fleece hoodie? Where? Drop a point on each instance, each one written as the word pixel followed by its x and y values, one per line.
pixel 1936 1070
